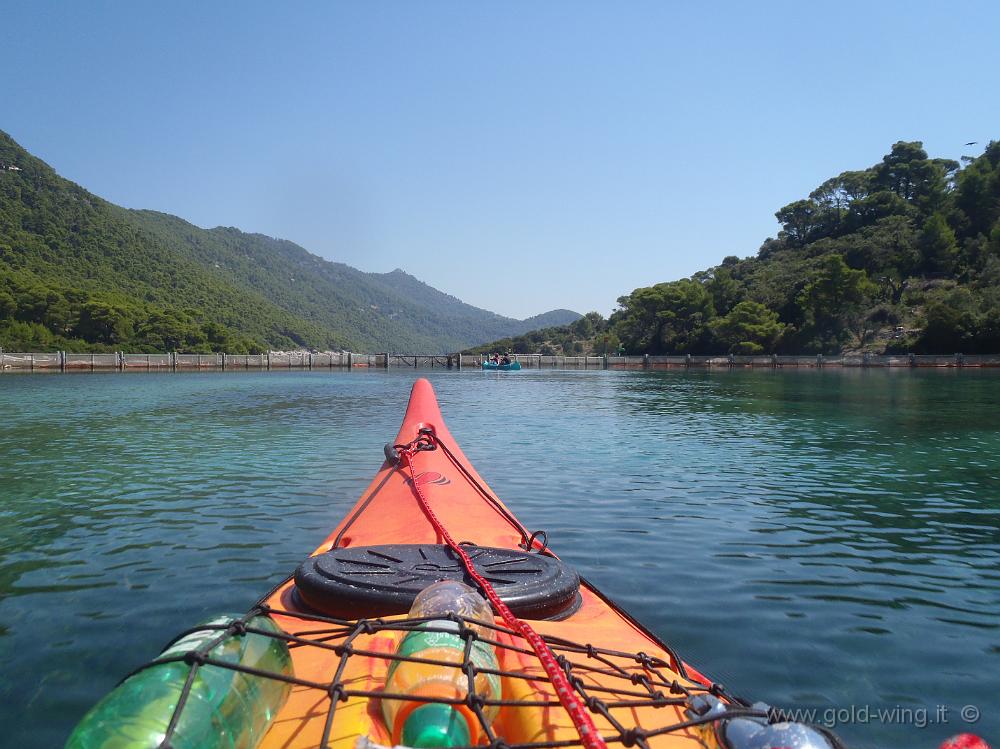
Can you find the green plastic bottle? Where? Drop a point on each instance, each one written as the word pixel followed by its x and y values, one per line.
pixel 226 709
pixel 428 724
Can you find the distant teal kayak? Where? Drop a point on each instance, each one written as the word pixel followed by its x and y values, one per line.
pixel 514 365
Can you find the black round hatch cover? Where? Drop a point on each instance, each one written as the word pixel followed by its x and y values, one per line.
pixel 371 581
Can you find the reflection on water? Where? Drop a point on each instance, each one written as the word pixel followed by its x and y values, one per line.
pixel 810 538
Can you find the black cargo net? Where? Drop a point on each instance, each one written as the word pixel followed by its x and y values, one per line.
pixel 612 684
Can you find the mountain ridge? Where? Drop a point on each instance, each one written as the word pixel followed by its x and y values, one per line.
pixel 78 271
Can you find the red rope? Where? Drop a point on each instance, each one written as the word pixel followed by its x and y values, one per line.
pixel 581 718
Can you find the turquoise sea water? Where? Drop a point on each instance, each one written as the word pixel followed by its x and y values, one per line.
pixel 815 539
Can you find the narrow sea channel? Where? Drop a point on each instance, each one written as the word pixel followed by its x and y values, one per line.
pixel 813 539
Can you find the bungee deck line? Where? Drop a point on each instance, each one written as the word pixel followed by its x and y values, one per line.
pixel 582 721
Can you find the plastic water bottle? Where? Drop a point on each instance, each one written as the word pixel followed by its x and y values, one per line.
pixel 437 724
pixel 734 731
pixel 224 709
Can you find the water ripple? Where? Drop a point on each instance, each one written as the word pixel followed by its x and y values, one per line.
pixel 815 538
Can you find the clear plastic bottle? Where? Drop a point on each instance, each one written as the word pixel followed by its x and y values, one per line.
pixel 225 709
pixel 735 731
pixel 436 724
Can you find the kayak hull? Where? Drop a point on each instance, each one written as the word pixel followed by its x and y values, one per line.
pixel 389 513
pixel 512 367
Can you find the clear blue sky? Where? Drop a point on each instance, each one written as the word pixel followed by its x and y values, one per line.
pixel 520 155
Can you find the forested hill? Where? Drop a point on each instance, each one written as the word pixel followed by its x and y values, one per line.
pixel 79 273
pixel 901 256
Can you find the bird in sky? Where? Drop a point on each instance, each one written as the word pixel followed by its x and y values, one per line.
pixel 972 142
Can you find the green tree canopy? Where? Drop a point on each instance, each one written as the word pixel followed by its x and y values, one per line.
pixel 833 294
pixel 749 328
pixel 666 318
pixel 938 248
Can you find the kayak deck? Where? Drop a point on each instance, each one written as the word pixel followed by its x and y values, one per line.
pixel 635 687
pixel 630 690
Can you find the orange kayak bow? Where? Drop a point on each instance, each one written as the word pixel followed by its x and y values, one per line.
pixel 635 687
